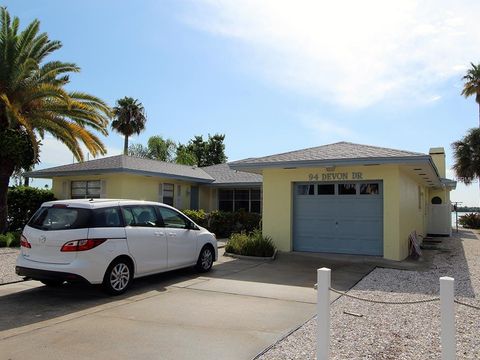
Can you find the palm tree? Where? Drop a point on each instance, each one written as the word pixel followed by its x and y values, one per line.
pixel 466 153
pixel 472 84
pixel 129 119
pixel 34 101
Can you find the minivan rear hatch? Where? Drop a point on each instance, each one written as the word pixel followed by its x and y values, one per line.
pixel 50 228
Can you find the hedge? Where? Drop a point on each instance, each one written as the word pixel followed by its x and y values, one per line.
pixel 23 201
pixel 223 224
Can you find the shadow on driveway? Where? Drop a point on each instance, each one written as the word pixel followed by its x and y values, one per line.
pixel 290 277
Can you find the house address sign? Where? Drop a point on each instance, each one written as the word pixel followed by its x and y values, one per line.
pixel 336 176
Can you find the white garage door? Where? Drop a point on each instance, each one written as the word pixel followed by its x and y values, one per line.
pixel 338 217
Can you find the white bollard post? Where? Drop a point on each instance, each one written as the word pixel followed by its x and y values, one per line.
pixel 323 314
pixel 447 317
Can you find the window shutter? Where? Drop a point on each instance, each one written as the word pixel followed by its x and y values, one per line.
pixel 103 188
pixel 160 192
pixel 64 189
pixel 179 197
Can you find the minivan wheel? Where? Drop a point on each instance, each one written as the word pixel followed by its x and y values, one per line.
pixel 205 259
pixel 118 277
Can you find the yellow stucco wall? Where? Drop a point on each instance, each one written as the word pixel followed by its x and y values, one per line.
pixel 398 222
pixel 207 198
pixel 413 211
pixel 443 194
pixel 126 186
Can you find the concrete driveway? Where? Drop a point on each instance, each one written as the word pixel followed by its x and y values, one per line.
pixel 234 312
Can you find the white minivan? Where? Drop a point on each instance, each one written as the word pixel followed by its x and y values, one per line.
pixel 110 242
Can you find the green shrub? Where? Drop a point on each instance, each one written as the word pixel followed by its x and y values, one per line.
pixel 236 243
pixel 200 217
pixel 471 221
pixel 254 244
pixel 15 240
pixel 3 240
pixel 223 224
pixel 23 201
pixel 245 221
pixel 10 239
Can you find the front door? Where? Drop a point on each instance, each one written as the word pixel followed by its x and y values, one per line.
pixel 146 238
pixel 194 198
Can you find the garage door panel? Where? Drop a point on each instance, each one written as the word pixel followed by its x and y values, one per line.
pixel 310 243
pixel 350 224
pixel 314 227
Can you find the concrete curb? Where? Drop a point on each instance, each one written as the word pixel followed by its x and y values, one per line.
pixel 260 258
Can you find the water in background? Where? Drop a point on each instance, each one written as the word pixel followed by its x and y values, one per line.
pixel 459 214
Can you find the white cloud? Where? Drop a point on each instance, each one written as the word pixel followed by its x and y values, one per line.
pixel 352 53
pixel 54 153
pixel 325 130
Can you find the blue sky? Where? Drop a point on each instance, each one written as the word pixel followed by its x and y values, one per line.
pixel 274 76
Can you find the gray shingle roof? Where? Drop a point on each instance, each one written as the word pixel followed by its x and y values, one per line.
pixel 130 164
pixel 224 175
pixel 337 151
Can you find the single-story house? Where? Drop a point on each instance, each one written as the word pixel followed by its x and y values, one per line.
pixel 216 187
pixel 351 198
pixel 338 198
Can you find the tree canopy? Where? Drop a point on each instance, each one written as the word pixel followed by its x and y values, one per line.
pixel 466 153
pixel 471 86
pixel 157 148
pixel 208 152
pixel 129 119
pixel 197 151
pixel 34 101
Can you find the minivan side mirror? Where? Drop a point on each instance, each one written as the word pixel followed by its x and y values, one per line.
pixel 192 226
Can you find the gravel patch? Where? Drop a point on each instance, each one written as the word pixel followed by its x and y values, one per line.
pixel 400 331
pixel 8 257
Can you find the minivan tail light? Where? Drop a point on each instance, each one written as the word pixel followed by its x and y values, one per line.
pixel 24 242
pixel 81 245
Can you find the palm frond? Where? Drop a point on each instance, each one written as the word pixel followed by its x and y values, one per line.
pixel 32 94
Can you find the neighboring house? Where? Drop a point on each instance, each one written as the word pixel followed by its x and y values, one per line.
pixel 338 198
pixel 353 199
pixel 183 186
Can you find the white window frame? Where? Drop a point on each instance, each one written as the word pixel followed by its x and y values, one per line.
pixel 87 195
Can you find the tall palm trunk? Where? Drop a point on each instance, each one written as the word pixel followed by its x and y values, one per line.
pixel 125 145
pixel 6 170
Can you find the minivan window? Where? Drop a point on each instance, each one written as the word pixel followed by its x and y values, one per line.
pixel 140 216
pixel 172 219
pixel 60 218
pixel 106 217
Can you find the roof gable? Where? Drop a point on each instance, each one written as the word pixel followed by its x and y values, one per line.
pixel 337 151
pixel 225 175
pixel 128 164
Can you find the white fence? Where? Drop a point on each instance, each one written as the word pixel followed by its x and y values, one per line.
pixel 447 313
